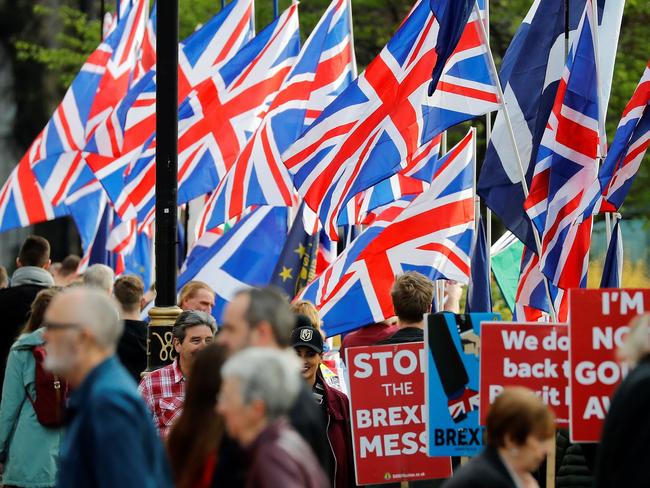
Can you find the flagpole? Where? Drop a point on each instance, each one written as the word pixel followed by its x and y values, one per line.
pixel 567 19
pixel 275 9
pixel 602 134
pixel 102 14
pixel 355 72
pixel 511 133
pixel 163 314
pixel 488 134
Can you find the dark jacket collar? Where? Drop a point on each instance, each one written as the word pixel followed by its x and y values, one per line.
pixel 492 455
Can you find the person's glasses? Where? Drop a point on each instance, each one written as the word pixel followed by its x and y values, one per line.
pixel 55 326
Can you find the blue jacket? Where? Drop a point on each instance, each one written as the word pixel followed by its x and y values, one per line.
pixel 28 450
pixel 110 440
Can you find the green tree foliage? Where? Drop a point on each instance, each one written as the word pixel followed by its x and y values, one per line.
pixel 77 38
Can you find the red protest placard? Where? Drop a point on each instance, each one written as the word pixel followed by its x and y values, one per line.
pixel 388 415
pixel 532 355
pixel 598 322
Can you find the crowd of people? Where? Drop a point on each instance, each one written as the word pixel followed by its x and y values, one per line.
pixel 243 403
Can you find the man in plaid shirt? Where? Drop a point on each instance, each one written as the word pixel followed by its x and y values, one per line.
pixel 164 389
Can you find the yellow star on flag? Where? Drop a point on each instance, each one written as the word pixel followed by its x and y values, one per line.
pixel 300 250
pixel 285 274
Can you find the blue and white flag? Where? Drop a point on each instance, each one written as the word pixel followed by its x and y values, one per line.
pixel 613 268
pixel 244 256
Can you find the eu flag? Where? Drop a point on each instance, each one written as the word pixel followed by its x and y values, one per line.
pixel 297 263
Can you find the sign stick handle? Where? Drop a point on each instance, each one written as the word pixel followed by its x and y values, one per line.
pixel 550 468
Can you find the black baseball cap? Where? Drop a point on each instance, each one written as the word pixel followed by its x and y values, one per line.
pixel 307 337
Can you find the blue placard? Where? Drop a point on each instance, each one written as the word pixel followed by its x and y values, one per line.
pixel 451 343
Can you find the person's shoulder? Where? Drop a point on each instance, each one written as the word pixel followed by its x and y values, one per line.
pixel 481 472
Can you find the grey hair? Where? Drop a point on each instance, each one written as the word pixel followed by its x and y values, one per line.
pixel 637 342
pixel 192 318
pixel 269 375
pixel 99 313
pixel 270 305
pixel 99 276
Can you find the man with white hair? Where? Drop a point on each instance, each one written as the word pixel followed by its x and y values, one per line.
pixel 110 440
pixel 260 386
pixel 99 276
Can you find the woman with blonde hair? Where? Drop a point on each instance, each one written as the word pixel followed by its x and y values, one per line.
pixel 520 433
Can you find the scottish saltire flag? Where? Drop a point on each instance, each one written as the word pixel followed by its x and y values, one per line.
pixel 530 74
pixel 479 295
pixel 381 118
pixel 296 265
pixel 244 256
pixel 628 147
pixel 321 72
pixel 217 119
pixel 613 267
pixel 433 235
pixel 566 166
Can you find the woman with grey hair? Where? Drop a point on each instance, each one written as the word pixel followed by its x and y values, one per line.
pixel 260 386
pixel 623 455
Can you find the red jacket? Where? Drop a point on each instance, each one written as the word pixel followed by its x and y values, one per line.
pixel 339 434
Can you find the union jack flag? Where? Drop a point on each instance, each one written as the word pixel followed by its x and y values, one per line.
pixel 566 166
pixel 147 57
pixel 124 146
pixel 323 70
pixel 55 156
pixel 88 94
pixel 385 115
pixel 221 114
pixel 628 147
pixel 22 200
pixel 433 235
pixel 531 303
pixel 412 180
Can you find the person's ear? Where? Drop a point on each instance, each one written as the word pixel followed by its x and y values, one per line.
pixel 143 303
pixel 265 336
pixel 18 263
pixel 258 408
pixel 48 264
pixel 177 345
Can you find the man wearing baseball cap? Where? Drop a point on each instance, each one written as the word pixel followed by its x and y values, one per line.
pixel 308 343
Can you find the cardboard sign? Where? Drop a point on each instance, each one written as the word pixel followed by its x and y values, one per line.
pixel 598 323
pixel 452 383
pixel 388 415
pixel 532 355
